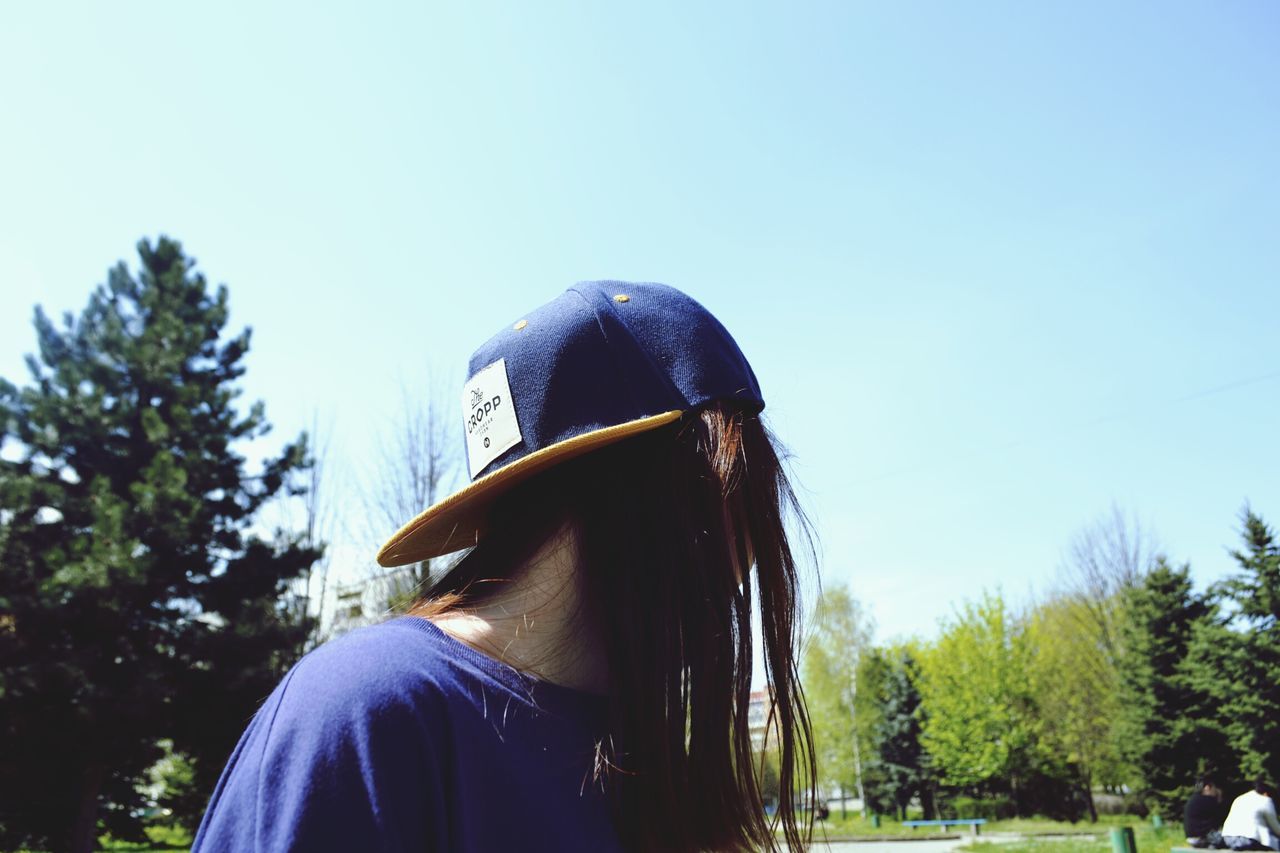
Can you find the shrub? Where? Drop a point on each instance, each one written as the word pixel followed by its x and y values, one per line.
pixel 990 808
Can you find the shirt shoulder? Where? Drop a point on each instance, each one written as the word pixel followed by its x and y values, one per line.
pixel 350 746
pixel 405 665
pixel 399 660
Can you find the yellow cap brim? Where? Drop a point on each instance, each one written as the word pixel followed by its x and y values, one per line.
pixel 457 521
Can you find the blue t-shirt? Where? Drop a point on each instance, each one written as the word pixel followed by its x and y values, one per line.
pixel 397 737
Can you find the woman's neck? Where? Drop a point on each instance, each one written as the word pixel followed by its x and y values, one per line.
pixel 538 622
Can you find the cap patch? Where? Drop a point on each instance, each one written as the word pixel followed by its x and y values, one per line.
pixel 489 416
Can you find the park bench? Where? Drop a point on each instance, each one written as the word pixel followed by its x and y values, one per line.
pixel 972 822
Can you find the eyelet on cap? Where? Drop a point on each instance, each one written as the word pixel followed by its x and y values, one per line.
pixel 520 325
pixel 622 297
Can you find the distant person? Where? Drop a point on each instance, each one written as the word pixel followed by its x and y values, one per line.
pixel 1251 824
pixel 1202 819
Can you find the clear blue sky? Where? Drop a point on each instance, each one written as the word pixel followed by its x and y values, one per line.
pixel 996 264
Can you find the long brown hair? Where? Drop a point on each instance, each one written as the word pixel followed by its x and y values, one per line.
pixel 667 526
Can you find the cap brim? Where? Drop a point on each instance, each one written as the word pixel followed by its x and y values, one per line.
pixel 456 522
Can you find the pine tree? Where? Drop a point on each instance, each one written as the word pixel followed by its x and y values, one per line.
pixel 1166 730
pixel 902 765
pixel 1235 659
pixel 136 602
pixel 1256 591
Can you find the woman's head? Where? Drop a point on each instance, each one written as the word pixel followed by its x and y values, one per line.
pixel 666 527
pixel 622 419
pixel 602 362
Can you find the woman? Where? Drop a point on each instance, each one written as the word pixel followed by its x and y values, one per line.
pixel 580 679
pixel 1251 823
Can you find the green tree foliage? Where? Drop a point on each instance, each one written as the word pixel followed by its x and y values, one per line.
pixel 136 602
pixel 1165 727
pixel 900 768
pixel 173 783
pixel 841 635
pixel 980 721
pixel 770 779
pixel 1075 685
pixel 1256 589
pixel 1235 659
pixel 1254 725
pixel 1127 678
pixel 869 709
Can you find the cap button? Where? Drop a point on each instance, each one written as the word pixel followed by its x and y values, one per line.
pixel 622 297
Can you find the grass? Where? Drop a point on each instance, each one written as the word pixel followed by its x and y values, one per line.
pixel 164 839
pixel 1045 826
pixel 1061 845
pixel 854 825
pixel 1147 839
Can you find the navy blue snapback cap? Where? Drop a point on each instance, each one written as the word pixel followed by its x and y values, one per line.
pixel 603 361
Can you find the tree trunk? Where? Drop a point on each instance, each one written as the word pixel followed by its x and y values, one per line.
pixel 1088 798
pixel 928 802
pixel 857 766
pixel 853 725
pixel 83 837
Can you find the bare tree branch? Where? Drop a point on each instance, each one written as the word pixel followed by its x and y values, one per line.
pixel 418 464
pixel 319 512
pixel 1104 561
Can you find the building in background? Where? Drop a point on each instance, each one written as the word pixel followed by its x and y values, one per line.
pixel 758 711
pixel 367 600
